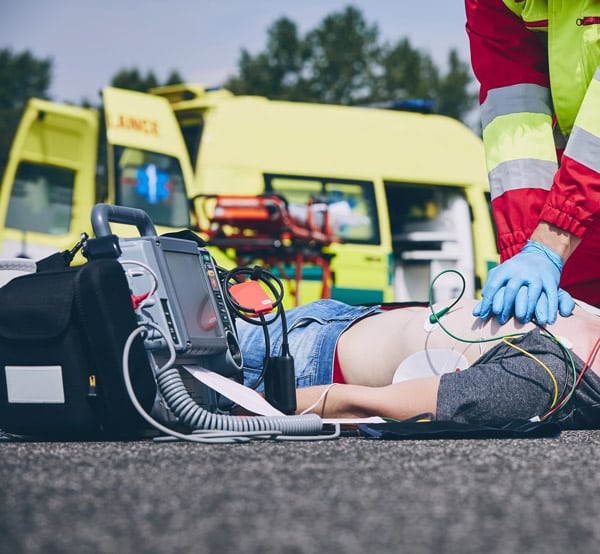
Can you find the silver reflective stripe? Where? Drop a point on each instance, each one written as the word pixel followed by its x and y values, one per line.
pixel 515 99
pixel 584 147
pixel 521 174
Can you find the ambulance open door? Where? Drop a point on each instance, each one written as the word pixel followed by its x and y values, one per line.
pixel 431 233
pixel 50 180
pixel 148 163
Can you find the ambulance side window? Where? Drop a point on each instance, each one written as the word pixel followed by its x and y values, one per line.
pixel 351 204
pixel 151 182
pixel 41 199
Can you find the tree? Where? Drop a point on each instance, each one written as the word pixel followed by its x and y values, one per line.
pixel 331 64
pixel 278 71
pixel 132 79
pixel 455 99
pixel 22 76
pixel 341 61
pixel 406 73
pixel 344 54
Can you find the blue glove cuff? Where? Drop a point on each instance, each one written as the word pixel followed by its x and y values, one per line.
pixel 538 247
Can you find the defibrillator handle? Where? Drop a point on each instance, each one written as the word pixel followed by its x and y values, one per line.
pixel 103 214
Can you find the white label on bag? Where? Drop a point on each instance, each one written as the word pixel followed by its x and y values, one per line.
pixel 34 384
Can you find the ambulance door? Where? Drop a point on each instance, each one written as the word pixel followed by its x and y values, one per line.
pixel 148 164
pixel 432 232
pixel 48 187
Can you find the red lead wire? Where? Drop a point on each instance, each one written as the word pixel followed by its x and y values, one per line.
pixel 137 300
pixel 587 364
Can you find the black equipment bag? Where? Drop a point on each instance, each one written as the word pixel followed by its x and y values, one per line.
pixel 62 334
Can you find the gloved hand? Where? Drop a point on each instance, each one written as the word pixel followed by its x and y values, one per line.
pixel 524 284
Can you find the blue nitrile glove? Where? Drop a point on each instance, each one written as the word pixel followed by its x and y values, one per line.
pixel 524 284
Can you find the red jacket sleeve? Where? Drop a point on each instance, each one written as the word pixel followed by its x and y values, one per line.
pixel 505 53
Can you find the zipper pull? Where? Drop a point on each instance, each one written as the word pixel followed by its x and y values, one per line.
pixel 587 21
pixel 92 386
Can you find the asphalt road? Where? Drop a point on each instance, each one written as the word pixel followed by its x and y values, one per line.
pixel 351 495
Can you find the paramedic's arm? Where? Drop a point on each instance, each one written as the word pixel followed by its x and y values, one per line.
pixel 399 401
pixel 561 241
pixel 510 64
pixel 531 279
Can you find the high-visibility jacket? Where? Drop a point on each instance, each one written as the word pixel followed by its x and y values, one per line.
pixel 537 62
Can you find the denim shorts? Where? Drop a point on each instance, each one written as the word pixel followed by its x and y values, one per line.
pixel 313 332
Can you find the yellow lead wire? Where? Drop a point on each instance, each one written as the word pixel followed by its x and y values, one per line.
pixel 555 398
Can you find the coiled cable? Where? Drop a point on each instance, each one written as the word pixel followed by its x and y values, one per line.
pixel 214 427
pixel 189 413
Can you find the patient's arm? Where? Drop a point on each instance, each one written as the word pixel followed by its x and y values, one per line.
pixel 399 401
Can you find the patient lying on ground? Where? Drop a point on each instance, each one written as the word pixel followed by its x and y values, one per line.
pixel 469 373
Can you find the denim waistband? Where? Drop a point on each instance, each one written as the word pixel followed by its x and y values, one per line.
pixel 313 332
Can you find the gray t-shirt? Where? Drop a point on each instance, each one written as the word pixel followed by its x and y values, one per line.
pixel 505 385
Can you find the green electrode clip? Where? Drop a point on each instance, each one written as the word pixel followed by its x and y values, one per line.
pixel 433 318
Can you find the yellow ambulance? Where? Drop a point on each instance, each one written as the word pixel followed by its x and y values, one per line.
pixel 407 192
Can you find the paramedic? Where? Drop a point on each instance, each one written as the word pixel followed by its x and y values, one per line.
pixel 537 65
pixel 371 354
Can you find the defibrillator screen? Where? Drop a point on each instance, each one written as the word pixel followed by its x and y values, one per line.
pixel 194 295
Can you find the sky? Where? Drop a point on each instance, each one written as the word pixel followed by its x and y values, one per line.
pixel 89 41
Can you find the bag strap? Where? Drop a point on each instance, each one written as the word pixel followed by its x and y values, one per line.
pixel 61 260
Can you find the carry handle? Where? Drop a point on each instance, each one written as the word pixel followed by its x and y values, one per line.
pixel 103 214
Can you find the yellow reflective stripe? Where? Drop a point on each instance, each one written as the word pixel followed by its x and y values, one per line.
pixel 517 136
pixel 588 117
